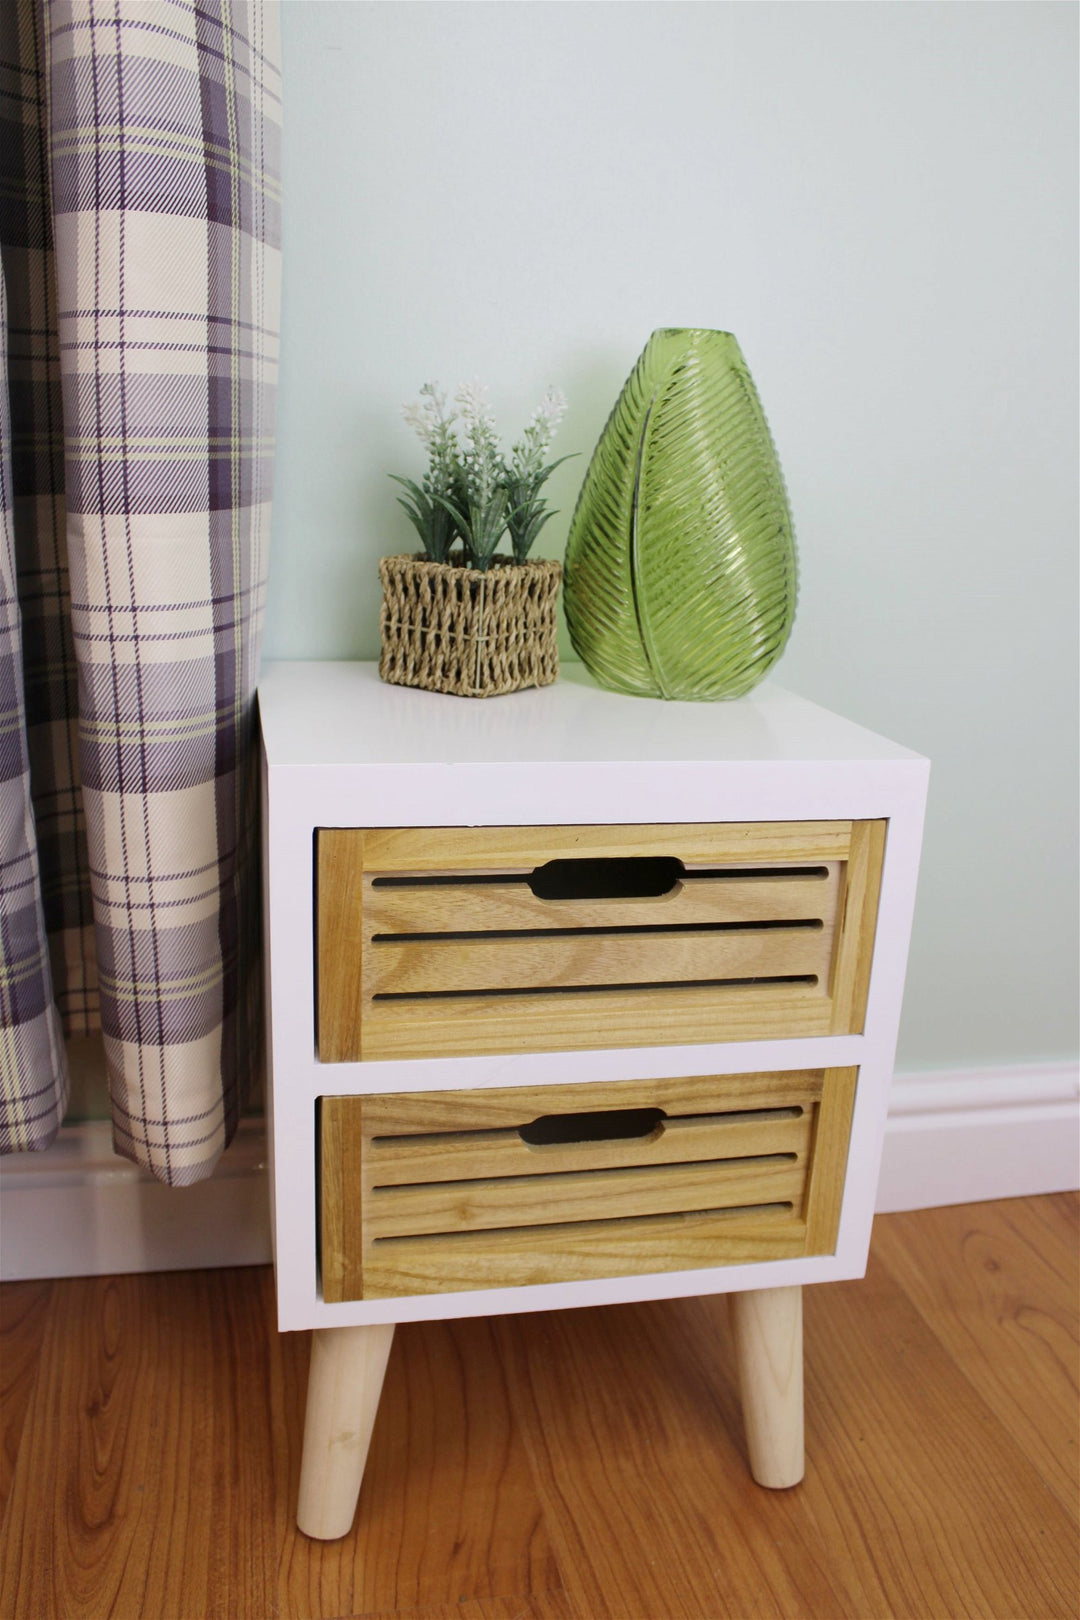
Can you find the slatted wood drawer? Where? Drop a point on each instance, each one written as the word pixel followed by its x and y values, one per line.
pixel 439 1192
pixel 448 941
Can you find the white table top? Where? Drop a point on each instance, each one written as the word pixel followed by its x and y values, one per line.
pixel 334 714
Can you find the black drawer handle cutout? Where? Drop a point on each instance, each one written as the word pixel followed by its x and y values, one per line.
pixel 612 877
pixel 608 1125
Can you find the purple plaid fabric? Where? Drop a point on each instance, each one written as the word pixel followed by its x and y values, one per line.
pixel 163 121
pixel 33 1067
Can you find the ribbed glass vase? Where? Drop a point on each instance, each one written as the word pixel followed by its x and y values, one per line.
pixel 681 577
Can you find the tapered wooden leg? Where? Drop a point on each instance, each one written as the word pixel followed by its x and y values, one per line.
pixel 344 1385
pixel 768 1348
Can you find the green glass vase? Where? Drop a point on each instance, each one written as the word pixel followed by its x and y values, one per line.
pixel 680 577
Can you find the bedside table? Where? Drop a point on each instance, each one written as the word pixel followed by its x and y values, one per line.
pixel 574 999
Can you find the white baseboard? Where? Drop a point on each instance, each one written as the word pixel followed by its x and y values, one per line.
pixel 962 1136
pixel 77 1210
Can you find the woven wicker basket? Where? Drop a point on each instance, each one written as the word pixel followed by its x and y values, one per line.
pixel 448 628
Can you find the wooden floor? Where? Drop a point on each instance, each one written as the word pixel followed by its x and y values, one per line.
pixel 570 1466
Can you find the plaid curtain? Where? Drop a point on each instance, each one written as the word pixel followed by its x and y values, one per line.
pixel 140 228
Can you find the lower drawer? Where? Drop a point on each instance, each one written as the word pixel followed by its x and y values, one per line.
pixel 445 1191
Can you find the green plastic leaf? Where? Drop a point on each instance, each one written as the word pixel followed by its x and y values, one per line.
pixel 681 574
pixel 434 526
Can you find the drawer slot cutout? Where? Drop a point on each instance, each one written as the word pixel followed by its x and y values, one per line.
pixel 431 1191
pixel 471 880
pixel 603 1125
pixel 470 992
pixel 611 932
pixel 610 877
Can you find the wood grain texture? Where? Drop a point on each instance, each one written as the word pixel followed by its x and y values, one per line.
pixel 916 1502
pixel 650 1504
pixel 160 1461
pixel 545 962
pixel 503 1153
pixel 573 1466
pixel 339 857
pixel 421 1112
pixel 438 1192
pixel 767 1328
pixel 855 940
pixel 574 1253
pixel 966 1525
pixel 488 849
pixel 537 1606
pixel 995 1283
pixel 341 1174
pixel 462 908
pixel 23 1310
pixel 539 989
pixel 449 1512
pixel 568 1021
pixel 148 1424
pixel 500 1202
pixel 345 1380
pixel 828 1160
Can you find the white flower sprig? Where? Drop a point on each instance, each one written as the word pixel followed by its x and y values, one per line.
pixel 527 456
pixel 481 456
pixel 481 516
pixel 469 490
pixel 434 426
pixel 426 502
pixel 526 473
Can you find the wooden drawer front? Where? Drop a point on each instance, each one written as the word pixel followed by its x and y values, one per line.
pixel 440 942
pixel 438 1192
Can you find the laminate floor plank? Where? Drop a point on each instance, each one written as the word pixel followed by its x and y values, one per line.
pixel 1056 1217
pixel 631 1416
pixel 448 1510
pixel 538 1606
pixel 582 1465
pixel 142 1485
pixel 998 1286
pixel 174 1413
pixel 23 1309
pixel 913 1481
pixel 910 1508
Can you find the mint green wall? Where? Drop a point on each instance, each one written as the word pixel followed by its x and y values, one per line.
pixel 879 200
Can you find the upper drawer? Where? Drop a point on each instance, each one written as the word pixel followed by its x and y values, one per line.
pixel 447 941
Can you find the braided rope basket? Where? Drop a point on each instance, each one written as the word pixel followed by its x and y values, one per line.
pixel 448 628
